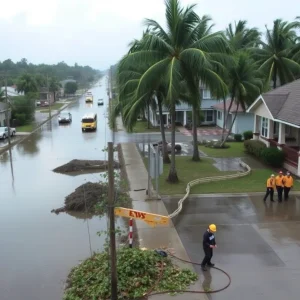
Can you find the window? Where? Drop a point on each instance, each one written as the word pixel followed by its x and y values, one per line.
pixel 219 113
pixel 209 116
pixel 206 94
pixel 264 127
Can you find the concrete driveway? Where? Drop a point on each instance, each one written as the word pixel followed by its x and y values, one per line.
pixel 258 245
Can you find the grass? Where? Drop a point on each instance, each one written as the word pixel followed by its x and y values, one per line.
pixel 25 128
pixel 188 170
pixel 236 149
pixel 55 106
pixel 142 127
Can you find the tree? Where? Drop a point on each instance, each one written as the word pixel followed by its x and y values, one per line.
pixel 176 54
pixel 27 84
pixel 23 108
pixel 244 84
pixel 41 80
pixel 242 37
pixel 54 86
pixel 275 56
pixel 2 95
pixel 71 87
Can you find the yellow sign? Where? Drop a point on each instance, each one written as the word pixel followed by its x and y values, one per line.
pixel 150 219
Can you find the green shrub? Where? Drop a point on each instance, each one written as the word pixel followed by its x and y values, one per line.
pixel 248 135
pixel 21 118
pixel 273 157
pixel 254 147
pixel 238 137
pixel 216 145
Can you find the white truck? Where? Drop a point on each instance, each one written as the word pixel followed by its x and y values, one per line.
pixel 4 132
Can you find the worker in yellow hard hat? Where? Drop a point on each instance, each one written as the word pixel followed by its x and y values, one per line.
pixel 209 243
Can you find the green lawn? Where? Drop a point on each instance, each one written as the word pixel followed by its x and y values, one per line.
pixel 188 170
pixel 25 128
pixel 142 127
pixel 55 106
pixel 236 149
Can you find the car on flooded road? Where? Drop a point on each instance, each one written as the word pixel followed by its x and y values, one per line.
pixel 64 118
pixel 100 102
pixel 89 122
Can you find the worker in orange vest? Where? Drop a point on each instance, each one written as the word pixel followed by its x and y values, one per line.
pixel 279 185
pixel 288 182
pixel 270 188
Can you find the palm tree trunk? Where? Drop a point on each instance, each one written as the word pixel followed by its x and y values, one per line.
pixel 172 178
pixel 166 157
pixel 196 156
pixel 148 115
pixel 224 123
pixel 274 78
pixel 229 131
pixel 228 111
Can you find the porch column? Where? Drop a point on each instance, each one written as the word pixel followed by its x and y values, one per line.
pixel 270 129
pixel 167 120
pixel 184 118
pixel 281 134
pixel 298 173
pixel 255 127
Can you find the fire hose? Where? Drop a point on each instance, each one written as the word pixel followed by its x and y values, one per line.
pixel 149 293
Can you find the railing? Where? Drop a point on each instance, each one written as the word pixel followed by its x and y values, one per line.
pixel 291 155
pixel 208 179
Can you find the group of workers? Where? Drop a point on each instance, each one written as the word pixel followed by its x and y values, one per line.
pixel 282 184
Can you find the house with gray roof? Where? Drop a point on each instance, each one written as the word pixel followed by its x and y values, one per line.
pixel 277 122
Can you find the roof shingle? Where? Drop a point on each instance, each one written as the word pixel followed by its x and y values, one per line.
pixel 284 102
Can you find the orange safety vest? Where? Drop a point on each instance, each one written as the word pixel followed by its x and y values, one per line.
pixel 288 181
pixel 279 180
pixel 271 183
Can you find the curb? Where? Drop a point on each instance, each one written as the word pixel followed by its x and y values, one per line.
pixel 7 147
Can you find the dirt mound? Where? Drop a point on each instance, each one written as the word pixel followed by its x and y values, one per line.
pixel 91 198
pixel 77 165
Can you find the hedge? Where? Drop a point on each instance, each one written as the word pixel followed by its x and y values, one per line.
pixel 254 147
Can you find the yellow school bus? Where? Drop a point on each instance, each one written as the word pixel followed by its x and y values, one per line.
pixel 89 122
pixel 89 97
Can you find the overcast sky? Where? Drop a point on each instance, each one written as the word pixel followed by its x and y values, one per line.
pixel 97 32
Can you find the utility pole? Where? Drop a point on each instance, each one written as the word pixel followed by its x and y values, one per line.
pixel 49 99
pixel 7 110
pixel 111 212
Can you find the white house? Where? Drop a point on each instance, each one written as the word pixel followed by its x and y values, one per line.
pixel 11 91
pixel 243 121
pixel 277 122
pixel 3 110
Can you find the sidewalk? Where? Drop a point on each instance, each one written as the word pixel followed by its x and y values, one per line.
pixel 160 236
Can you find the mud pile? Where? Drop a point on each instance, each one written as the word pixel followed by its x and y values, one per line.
pixel 90 198
pixel 77 165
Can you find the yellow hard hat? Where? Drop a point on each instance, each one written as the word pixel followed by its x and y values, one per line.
pixel 212 227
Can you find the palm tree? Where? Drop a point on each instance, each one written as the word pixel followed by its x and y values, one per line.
pixel 176 54
pixel 275 56
pixel 242 37
pixel 27 84
pixel 244 84
pixel 130 107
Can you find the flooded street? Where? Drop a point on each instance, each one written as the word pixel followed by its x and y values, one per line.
pixel 39 248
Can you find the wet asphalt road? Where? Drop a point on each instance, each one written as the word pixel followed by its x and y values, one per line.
pixel 37 248
pixel 258 245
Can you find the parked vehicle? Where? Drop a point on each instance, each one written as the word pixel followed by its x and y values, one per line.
pixel 64 117
pixel 89 122
pixel 44 104
pixel 100 102
pixel 4 132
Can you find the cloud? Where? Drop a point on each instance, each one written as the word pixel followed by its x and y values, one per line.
pixel 36 12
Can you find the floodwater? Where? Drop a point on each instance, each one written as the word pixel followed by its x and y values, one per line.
pixel 38 248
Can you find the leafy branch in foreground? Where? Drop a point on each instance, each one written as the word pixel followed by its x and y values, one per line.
pixel 138 272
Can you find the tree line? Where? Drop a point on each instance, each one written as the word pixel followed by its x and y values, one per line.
pixel 82 74
pixel 168 65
